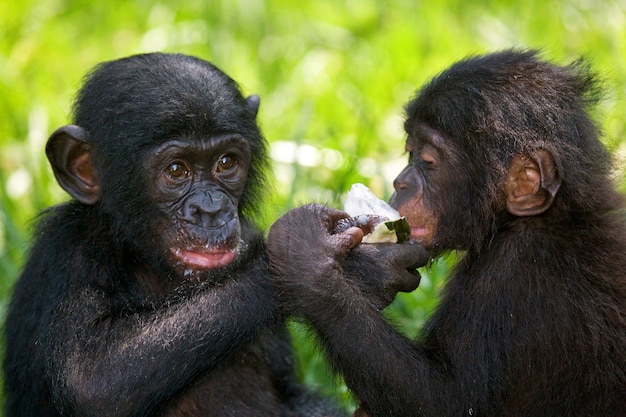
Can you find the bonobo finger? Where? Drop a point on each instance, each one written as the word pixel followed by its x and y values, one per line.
pixel 366 222
pixel 319 213
pixel 349 238
pixel 311 221
pixel 407 255
pixel 406 281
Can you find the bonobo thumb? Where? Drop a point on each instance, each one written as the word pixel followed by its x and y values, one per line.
pixel 347 239
pixel 404 260
pixel 380 270
pixel 412 255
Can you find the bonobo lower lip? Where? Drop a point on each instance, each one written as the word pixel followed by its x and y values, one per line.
pixel 206 259
pixel 418 232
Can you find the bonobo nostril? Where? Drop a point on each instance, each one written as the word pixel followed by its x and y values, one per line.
pixel 399 185
pixel 204 208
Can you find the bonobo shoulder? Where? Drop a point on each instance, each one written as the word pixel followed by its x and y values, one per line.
pixel 167 172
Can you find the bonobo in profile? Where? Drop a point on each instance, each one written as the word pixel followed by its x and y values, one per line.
pixel 506 165
pixel 149 294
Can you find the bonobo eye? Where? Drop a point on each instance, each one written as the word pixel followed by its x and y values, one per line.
pixel 226 163
pixel 428 154
pixel 178 170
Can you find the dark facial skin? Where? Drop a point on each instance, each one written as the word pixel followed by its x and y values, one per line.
pixel 428 159
pixel 198 186
pixel 506 165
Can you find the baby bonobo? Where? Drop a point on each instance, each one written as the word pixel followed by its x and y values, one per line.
pixel 505 165
pixel 149 293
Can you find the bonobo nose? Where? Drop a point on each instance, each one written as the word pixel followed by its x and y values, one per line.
pixel 204 208
pixel 399 184
pixel 406 179
pixel 408 185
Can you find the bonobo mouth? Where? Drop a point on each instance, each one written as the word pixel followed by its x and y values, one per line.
pixel 418 233
pixel 205 258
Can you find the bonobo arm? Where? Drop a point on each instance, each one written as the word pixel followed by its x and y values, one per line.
pixel 321 280
pixel 307 259
pixel 96 350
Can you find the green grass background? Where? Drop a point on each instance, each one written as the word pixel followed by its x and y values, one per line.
pixel 333 77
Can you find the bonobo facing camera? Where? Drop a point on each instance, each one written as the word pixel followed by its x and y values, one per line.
pixel 149 293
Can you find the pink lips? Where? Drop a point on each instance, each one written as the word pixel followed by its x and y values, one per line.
pixel 418 232
pixel 208 259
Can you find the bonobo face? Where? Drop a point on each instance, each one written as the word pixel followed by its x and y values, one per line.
pixel 413 185
pixel 197 186
pixel 437 190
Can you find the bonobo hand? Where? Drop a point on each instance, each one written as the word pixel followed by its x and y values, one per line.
pixel 301 249
pixel 381 270
pixel 311 265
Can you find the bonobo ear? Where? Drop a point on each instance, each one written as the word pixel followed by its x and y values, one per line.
pixel 532 183
pixel 70 157
pixel 253 102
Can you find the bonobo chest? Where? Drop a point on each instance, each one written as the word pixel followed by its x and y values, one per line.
pixel 242 386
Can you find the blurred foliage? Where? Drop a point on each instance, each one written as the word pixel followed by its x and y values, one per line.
pixel 333 77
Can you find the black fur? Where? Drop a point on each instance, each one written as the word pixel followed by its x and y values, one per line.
pixel 105 320
pixel 533 320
